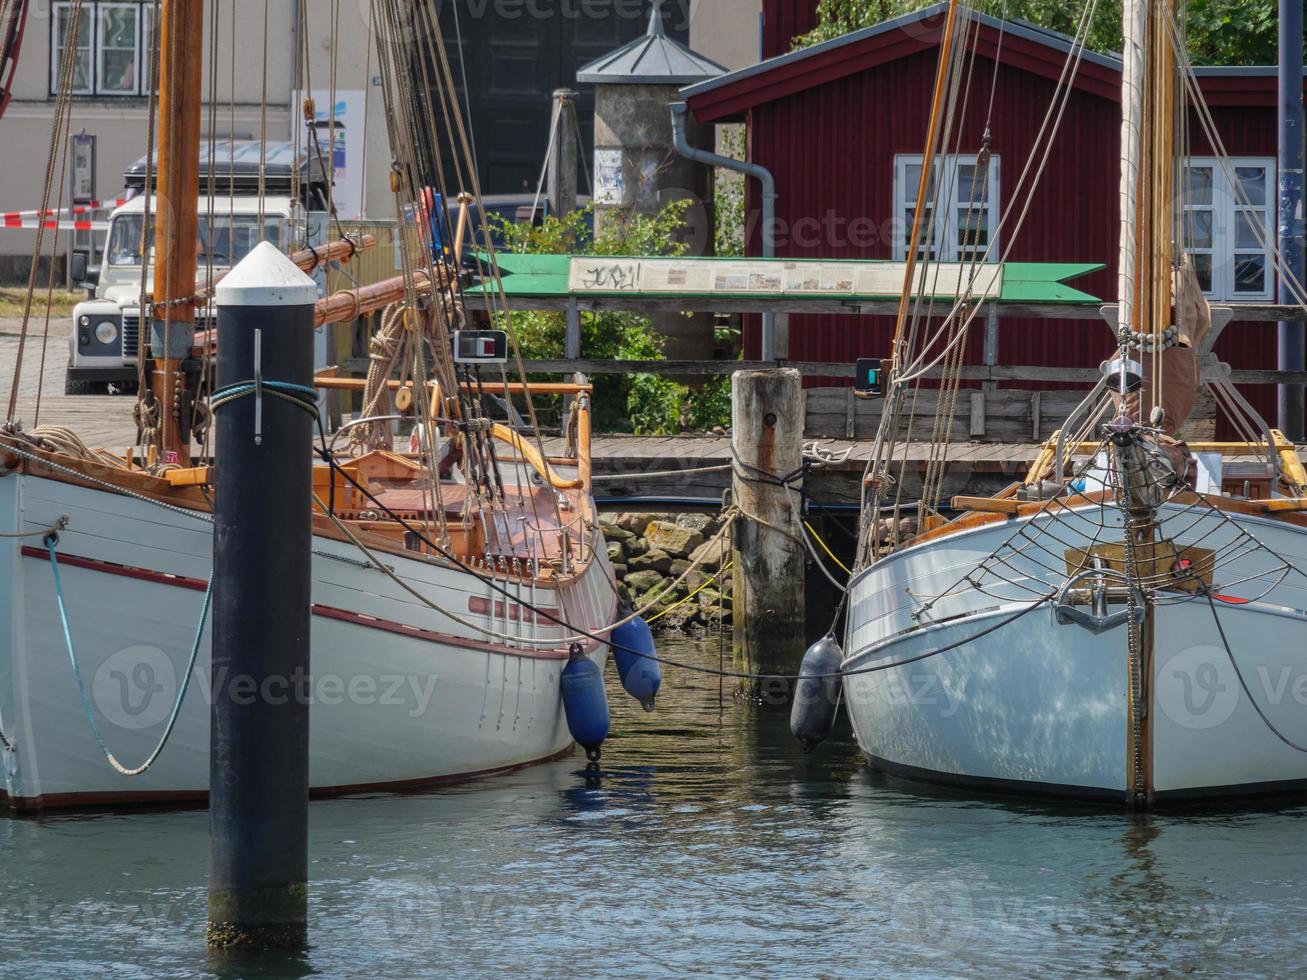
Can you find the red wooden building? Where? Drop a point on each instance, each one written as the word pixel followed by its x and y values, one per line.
pixel 841 126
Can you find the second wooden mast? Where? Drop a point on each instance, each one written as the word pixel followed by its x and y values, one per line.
pixel 172 321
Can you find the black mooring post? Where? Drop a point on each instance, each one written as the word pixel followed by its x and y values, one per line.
pixel 259 742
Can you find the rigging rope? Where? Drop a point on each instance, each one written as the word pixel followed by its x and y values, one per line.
pixel 1244 684
pixel 58 149
pixel 52 541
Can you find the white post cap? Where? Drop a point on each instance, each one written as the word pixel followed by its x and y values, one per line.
pixel 266 277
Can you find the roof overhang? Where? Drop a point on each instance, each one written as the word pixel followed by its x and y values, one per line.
pixel 1023 45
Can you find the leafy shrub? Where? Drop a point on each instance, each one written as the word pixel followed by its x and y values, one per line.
pixel 641 403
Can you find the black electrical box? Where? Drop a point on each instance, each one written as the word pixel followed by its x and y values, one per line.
pixel 480 346
pixel 868 376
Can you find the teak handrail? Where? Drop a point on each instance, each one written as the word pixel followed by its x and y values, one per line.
pixel 532 455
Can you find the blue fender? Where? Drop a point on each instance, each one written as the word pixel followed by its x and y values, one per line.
pixel 633 650
pixel 585 702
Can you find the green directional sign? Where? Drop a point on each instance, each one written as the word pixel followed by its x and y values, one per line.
pixel 839 280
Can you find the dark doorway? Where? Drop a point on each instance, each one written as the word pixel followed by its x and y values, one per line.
pixel 515 54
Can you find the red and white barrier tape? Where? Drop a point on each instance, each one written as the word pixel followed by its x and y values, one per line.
pixel 67 216
pixel 11 221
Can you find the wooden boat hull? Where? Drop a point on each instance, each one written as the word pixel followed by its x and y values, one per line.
pixel 1038 707
pixel 401 695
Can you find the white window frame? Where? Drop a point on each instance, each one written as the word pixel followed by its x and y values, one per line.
pixel 1225 207
pixel 58 13
pixel 92 11
pixel 100 10
pixel 946 244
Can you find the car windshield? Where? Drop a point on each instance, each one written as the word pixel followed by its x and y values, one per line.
pixel 226 242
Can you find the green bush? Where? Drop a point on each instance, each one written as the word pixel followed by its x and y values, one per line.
pixel 1219 32
pixel 644 404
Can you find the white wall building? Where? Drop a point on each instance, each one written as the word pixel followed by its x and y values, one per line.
pixel 110 104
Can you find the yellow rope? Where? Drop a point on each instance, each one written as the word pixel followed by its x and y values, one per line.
pixel 824 547
pixel 680 602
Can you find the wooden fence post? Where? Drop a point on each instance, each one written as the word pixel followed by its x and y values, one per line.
pixel 767 417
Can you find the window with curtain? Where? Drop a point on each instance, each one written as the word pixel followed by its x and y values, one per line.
pixel 113 44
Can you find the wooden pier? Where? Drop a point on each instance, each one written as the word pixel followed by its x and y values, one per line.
pixel 835 422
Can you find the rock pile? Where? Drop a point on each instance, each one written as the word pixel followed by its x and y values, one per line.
pixel 651 551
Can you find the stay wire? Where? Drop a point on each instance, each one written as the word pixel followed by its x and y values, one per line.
pixel 1207 593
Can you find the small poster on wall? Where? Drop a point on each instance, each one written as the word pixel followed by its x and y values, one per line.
pixel 610 183
pixel 343 119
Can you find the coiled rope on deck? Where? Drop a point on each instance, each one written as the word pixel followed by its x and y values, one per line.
pixel 51 543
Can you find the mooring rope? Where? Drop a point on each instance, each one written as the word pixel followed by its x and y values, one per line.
pixel 300 396
pixel 680 602
pixel 51 543
pixel 605 477
pixel 580 634
pixel 680 665
pixel 1244 684
pixel 58 525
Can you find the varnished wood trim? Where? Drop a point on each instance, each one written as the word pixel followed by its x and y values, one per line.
pixel 973 519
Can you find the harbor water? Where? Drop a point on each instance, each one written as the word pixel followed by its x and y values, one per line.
pixel 706 844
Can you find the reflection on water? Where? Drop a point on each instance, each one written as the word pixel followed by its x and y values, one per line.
pixel 708 843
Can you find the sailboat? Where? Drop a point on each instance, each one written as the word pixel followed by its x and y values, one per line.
pixel 1126 623
pixel 451 584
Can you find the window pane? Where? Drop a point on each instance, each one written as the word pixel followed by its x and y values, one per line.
pixel 1198 185
pixel 118 28
pixel 927 223
pixel 81 81
pixel 118 72
pixel 82 72
pixel 973 183
pixel 118 50
pixel 911 181
pixel 125 240
pixel 973 228
pixel 1252 183
pixel 1198 228
pixel 1247 226
pixel 1250 273
pixel 1203 269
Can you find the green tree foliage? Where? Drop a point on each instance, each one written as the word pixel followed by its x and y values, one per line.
pixel 641 403
pixel 728 195
pixel 1221 32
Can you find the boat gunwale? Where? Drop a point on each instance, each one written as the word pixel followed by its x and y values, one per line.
pixel 159 491
pixel 973 521
pixel 324 611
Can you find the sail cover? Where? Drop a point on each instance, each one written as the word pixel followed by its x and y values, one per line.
pixel 1180 369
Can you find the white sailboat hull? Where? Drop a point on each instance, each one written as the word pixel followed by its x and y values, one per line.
pixel 401 695
pixel 1040 707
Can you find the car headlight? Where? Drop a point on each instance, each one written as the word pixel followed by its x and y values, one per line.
pixel 106 332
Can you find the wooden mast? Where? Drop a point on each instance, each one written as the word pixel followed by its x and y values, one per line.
pixel 942 73
pixel 172 334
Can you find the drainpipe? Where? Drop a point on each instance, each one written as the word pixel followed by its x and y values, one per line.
pixel 763 175
pixel 1291 348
